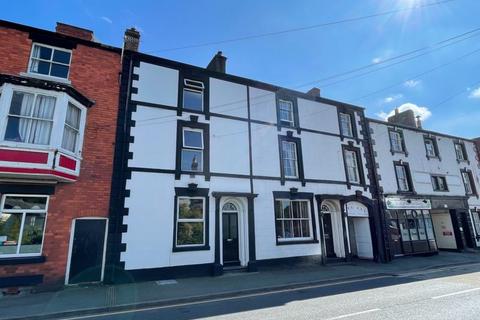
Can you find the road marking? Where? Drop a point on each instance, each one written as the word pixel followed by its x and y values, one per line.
pixel 133 310
pixel 455 293
pixel 354 314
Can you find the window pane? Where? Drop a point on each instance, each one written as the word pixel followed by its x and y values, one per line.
pixel 32 236
pixel 59 70
pixel 192 160
pixel 279 228
pixel 29 203
pixel 278 209
pixel 305 228
pixel 190 233
pixel 287 211
pixel 21 104
pixel 73 116
pixel 304 207
pixel 41 67
pixel 429 225
pixel 190 208
pixel 412 225
pixel 42 52
pixel 421 226
pixel 69 140
pixel 61 56
pixel 297 231
pixel 9 232
pixel 192 100
pixel 346 124
pixel 296 209
pixel 192 139
pixel 288 227
pixel 44 107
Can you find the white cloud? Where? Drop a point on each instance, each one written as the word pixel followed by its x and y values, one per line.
pixel 475 94
pixel 376 60
pixel 106 19
pixel 423 112
pixel 392 98
pixel 411 83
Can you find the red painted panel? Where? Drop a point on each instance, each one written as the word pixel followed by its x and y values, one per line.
pixel 68 163
pixel 38 171
pixel 23 156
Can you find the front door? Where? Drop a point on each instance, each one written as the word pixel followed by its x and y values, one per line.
pixel 328 235
pixel 230 235
pixel 466 230
pixel 88 244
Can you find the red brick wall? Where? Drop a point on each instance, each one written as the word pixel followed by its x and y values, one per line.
pixel 95 73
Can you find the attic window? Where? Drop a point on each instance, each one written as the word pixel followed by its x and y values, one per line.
pixel 193 95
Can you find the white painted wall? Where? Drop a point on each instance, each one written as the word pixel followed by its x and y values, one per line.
pixel 158 84
pixel 317 116
pixel 263 105
pixel 228 98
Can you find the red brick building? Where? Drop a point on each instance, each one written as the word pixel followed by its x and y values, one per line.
pixel 58 116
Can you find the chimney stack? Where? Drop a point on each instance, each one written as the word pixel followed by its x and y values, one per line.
pixel 406 118
pixel 75 32
pixel 419 122
pixel 314 92
pixel 131 40
pixel 218 63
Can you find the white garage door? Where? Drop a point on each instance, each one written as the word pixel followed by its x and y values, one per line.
pixel 363 238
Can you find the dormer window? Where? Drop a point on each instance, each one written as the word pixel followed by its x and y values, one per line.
pixel 50 61
pixel 193 95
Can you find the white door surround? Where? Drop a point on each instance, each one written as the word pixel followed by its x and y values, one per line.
pixel 242 205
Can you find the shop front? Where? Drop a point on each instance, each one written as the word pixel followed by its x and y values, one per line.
pixel 410 226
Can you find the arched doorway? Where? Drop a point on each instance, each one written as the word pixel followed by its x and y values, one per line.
pixel 328 231
pixel 332 227
pixel 230 234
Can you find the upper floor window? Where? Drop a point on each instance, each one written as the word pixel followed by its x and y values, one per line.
pixel 22 225
pixel 430 148
pixel 289 159
pixel 30 118
pixel 403 178
pixel 193 95
pixel 439 183
pixel 50 61
pixel 71 131
pixel 293 220
pixel 285 109
pixel 351 163
pixel 396 141
pixel 192 151
pixel 468 182
pixel 346 124
pixel 460 152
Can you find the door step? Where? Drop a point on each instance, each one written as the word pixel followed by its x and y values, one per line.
pixel 234 269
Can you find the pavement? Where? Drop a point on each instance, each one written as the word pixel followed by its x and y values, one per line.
pixel 90 300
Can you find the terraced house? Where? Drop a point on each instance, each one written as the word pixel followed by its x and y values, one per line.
pixel 58 107
pixel 226 172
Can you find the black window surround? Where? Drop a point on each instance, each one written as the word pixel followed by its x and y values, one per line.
pixel 351 113
pixel 298 143
pixel 464 151
pixel 408 174
pixel 361 174
pixel 404 147
pixel 472 182
pixel 294 195
pixel 191 191
pixel 435 147
pixel 206 148
pixel 435 184
pixel 280 95
pixel 195 76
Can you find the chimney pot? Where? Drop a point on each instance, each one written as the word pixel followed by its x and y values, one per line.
pixel 131 40
pixel 218 63
pixel 314 92
pixel 73 31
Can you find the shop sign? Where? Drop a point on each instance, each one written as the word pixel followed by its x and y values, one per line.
pixel 402 203
pixel 356 209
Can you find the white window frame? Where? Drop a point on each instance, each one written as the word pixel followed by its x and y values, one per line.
pixel 193 86
pixel 35 74
pixel 291 123
pixel 433 153
pixel 295 160
pixel 59 116
pixel 466 177
pixel 24 212
pixel 190 220
pixel 349 128
pixel 404 171
pixel 185 147
pixel 356 167
pixel 310 223
pixel 459 145
pixel 394 142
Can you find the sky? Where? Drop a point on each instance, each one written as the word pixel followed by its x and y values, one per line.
pixel 404 58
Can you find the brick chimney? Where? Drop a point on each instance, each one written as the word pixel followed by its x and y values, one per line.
pixel 73 31
pixel 131 40
pixel 314 92
pixel 218 63
pixel 406 118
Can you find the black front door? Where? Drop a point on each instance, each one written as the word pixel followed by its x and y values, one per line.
pixel 87 251
pixel 328 235
pixel 230 238
pixel 469 239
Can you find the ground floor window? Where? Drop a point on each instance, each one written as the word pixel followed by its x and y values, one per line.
pixel 22 225
pixel 293 220
pixel 476 221
pixel 190 221
pixel 411 231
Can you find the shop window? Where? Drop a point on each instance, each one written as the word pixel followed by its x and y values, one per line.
pixel 22 225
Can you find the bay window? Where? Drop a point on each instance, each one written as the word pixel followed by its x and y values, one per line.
pixel 22 225
pixel 71 131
